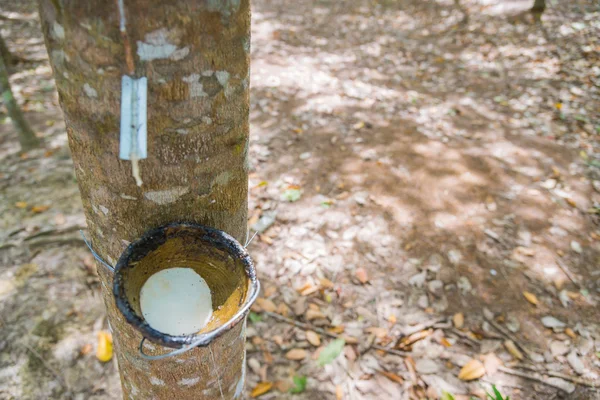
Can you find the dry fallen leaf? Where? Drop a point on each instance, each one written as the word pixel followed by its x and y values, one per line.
pixel 408 341
pixel 270 291
pixel 257 340
pixel 268 357
pixel 474 369
pixel 266 239
pixel 377 331
pixel 254 219
pixel 391 376
pixel 296 354
pixel 445 342
pixel 21 204
pixel 531 298
pixel 313 338
pixel 392 319
pixel 59 219
pixel 104 351
pixel 513 350
pixel 491 363
pixel 326 283
pixel 261 388
pixel 308 289
pixel 359 125
pixel 350 353
pixel 313 314
pixel 283 309
pixel 570 333
pixel 266 304
pixel 86 349
pixel 283 386
pixel 278 339
pixel 361 275
pixel 573 295
pixel 350 339
pixel 459 320
pixel 39 209
pixel 336 329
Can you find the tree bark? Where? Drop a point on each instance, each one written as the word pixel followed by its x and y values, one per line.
pixel 27 138
pixel 195 55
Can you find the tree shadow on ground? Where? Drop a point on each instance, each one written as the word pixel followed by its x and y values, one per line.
pixel 440 158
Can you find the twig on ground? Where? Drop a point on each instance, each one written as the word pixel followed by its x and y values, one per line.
pixel 463 335
pixel 42 360
pixel 72 239
pixel 536 378
pixel 55 231
pixel 567 272
pixel 509 335
pixel 303 325
pixel 421 327
pixel 47 365
pixel 14 16
pixel 569 378
pixel 398 353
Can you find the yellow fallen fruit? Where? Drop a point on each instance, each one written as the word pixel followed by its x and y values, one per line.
pixel 261 388
pixel 104 351
pixel 474 369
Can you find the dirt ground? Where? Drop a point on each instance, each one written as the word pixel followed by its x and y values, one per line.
pixel 426 180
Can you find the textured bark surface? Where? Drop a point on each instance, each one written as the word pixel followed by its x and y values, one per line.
pixel 27 138
pixel 195 55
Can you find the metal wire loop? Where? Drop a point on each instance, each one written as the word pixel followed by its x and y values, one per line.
pixel 96 256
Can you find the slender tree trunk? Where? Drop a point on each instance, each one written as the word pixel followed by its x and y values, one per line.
pixel 5 53
pixel 538 6
pixel 27 138
pixel 195 55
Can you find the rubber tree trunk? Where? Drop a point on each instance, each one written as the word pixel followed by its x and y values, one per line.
pixel 27 138
pixel 195 55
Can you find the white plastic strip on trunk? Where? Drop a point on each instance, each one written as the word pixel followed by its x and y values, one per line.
pixel 133 141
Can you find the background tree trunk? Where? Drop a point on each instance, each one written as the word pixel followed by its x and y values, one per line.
pixel 5 53
pixel 538 6
pixel 27 138
pixel 195 55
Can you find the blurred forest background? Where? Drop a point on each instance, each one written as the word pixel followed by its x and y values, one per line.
pixel 425 181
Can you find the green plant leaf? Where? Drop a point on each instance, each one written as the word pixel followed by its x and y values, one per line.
pixel 292 195
pixel 446 396
pixel 254 317
pixel 330 353
pixel 497 395
pixel 300 384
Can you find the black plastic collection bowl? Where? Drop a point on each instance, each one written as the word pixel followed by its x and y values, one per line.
pixel 216 256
